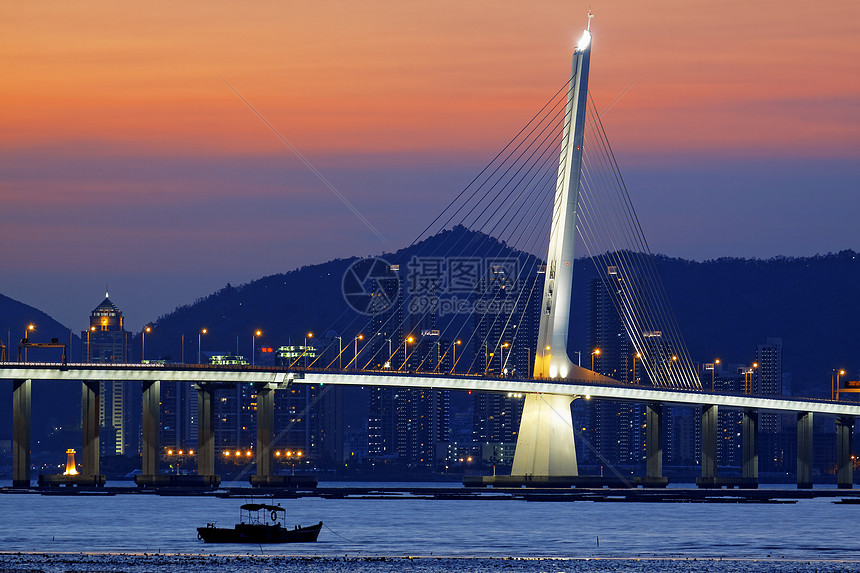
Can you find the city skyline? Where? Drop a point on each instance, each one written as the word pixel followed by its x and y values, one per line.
pixel 127 159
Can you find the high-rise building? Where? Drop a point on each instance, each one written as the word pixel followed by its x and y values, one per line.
pixel 505 342
pixel 178 416
pixel 729 378
pixel 768 375
pixel 106 340
pixel 768 380
pixel 308 417
pixel 617 430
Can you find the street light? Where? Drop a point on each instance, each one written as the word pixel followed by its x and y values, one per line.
pixel 595 352
pixel 146 329
pixel 355 344
pixel 199 342
pixel 406 343
pixel 839 374
pixel 502 358
pixel 752 373
pixel 713 372
pixel 305 349
pixel 635 356
pixel 254 345
pixel 748 372
pixel 339 353
pixel 91 329
pixel 454 352
pixel 30 327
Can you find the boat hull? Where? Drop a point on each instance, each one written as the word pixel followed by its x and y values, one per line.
pixel 255 533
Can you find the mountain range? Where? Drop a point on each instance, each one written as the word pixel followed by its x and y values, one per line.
pixel 725 307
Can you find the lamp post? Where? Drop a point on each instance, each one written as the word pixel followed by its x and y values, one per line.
pixel 390 355
pixel 486 358
pixel 406 343
pixel 200 342
pixel 30 328
pixel 752 373
pixel 355 348
pixel 674 359
pixel 454 352
pixel 595 352
pixel 339 352
pixel 748 378
pixel 839 374
pixel 146 329
pixel 635 356
pixel 254 345
pixel 578 357
pixel 90 330
pixel 305 349
pixel 502 357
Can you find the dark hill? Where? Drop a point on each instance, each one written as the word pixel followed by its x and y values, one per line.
pixel 58 403
pixel 287 306
pixel 725 308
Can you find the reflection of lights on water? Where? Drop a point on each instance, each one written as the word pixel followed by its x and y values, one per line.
pixel 71 466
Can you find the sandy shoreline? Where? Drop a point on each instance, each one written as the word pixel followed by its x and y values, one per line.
pixel 157 562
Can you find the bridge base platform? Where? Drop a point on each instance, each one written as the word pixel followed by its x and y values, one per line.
pixel 727 482
pixel 564 481
pixel 286 481
pixel 178 480
pixel 60 480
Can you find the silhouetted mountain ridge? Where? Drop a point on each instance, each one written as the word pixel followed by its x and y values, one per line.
pixel 725 307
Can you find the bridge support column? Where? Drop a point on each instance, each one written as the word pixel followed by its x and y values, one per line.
pixel 653 442
pixel 90 398
pixel 205 430
pixel 545 446
pixel 844 463
pixel 151 426
pixel 21 398
pixel 804 450
pixel 265 430
pixel 749 452
pixel 709 446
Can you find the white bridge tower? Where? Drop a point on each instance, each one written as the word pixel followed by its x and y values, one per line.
pixel 545 445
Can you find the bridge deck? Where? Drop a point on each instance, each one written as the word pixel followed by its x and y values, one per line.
pixel 278 376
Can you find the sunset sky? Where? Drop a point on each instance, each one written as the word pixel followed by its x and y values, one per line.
pixel 127 159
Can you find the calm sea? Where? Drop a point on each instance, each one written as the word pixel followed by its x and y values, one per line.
pixel 479 534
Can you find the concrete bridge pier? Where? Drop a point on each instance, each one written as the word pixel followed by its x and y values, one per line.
pixel 749 451
pixel 151 425
pixel 90 398
pixel 205 430
pixel 21 400
pixel 265 430
pixel 844 463
pixel 804 450
pixel 654 445
pixel 709 447
pixel 545 445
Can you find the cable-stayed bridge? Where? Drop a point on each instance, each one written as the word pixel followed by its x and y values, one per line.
pixel 555 185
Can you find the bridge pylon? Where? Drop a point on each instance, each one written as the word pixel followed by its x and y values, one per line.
pixel 545 444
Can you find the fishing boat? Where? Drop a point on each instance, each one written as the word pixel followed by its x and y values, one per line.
pixel 259 523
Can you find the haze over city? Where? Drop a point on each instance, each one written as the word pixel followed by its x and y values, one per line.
pixel 128 160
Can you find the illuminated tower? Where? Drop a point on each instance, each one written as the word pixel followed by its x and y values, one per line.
pixel 552 359
pixel 545 445
pixel 108 341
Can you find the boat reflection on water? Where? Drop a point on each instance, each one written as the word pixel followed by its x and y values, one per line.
pixel 259 523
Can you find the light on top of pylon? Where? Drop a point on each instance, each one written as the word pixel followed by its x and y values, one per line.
pixel 584 40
